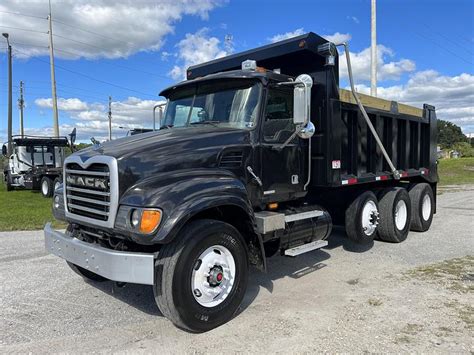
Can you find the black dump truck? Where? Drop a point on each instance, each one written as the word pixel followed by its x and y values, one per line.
pixel 258 154
pixel 36 163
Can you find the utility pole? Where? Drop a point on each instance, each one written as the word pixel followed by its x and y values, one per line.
pixel 21 106
pixel 53 76
pixel 9 94
pixel 110 118
pixel 373 50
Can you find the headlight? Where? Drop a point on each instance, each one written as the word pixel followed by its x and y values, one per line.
pixel 135 218
pixel 56 201
pixel 138 220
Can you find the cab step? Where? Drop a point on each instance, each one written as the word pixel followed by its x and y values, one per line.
pixel 301 249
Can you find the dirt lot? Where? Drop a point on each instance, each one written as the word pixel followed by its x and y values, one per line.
pixel 417 296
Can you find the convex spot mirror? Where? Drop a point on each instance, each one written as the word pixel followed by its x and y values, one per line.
pixel 302 106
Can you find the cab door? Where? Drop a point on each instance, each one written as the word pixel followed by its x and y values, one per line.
pixel 282 168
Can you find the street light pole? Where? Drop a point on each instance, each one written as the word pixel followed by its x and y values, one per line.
pixel 110 118
pixel 373 50
pixel 53 76
pixel 21 106
pixel 9 94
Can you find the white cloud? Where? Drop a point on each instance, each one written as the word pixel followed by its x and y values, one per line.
pixel 282 36
pixel 337 37
pixel 453 96
pixel 72 104
pixel 124 27
pixel 91 119
pixel 386 70
pixel 353 18
pixel 197 48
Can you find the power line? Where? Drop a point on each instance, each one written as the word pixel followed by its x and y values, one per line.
pixel 24 29
pixel 451 40
pixel 74 40
pixel 442 47
pixel 92 32
pixel 20 14
pixel 92 78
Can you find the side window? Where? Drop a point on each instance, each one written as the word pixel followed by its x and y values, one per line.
pixel 278 125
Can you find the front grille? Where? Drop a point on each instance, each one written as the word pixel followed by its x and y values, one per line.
pixel 88 190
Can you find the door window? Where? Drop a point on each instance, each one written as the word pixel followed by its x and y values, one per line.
pixel 278 125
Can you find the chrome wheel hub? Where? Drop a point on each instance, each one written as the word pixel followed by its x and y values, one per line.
pixel 213 276
pixel 370 218
pixel 426 207
pixel 401 215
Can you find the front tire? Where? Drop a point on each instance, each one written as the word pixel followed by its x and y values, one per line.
pixel 201 278
pixel 395 215
pixel 47 187
pixel 57 182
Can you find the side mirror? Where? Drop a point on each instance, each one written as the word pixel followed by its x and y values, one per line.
pixel 302 99
pixel 4 150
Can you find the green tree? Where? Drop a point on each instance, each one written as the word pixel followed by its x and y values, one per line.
pixel 464 148
pixel 449 134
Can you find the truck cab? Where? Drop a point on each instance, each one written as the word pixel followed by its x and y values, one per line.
pixel 258 154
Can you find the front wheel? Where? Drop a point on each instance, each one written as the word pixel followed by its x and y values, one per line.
pixel 201 278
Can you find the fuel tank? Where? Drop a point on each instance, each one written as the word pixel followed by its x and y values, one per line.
pixel 305 230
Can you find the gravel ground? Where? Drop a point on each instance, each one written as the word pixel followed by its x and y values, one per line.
pixel 417 296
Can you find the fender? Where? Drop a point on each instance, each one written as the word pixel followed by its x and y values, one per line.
pixel 182 194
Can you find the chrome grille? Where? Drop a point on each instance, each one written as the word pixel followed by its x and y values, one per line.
pixel 91 189
pixel 84 195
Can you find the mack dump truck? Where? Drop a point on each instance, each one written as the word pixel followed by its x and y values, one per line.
pixel 258 153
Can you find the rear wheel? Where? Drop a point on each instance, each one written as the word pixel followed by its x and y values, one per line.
pixel 422 207
pixel 362 218
pixel 395 215
pixel 47 187
pixel 201 278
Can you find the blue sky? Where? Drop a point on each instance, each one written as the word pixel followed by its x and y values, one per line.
pixel 132 50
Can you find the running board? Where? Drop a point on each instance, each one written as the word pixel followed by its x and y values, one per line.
pixel 301 249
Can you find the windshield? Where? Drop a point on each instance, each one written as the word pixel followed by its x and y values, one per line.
pixel 233 103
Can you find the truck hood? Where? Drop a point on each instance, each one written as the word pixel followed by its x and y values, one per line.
pixel 144 155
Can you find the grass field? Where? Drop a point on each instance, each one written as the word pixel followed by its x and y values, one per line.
pixel 24 210
pixel 28 210
pixel 456 171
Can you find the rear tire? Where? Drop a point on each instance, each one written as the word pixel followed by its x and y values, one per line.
pixel 86 274
pixel 189 272
pixel 395 215
pixel 422 203
pixel 47 187
pixel 362 218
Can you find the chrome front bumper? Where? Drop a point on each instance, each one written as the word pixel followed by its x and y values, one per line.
pixel 112 264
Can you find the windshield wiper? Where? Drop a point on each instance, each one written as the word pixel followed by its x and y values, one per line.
pixel 213 123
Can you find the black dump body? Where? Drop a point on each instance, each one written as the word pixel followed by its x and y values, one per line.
pixel 344 151
pixel 40 141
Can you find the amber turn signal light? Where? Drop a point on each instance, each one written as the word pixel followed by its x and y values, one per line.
pixel 149 221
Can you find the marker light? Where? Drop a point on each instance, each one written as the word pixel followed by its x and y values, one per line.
pixel 149 221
